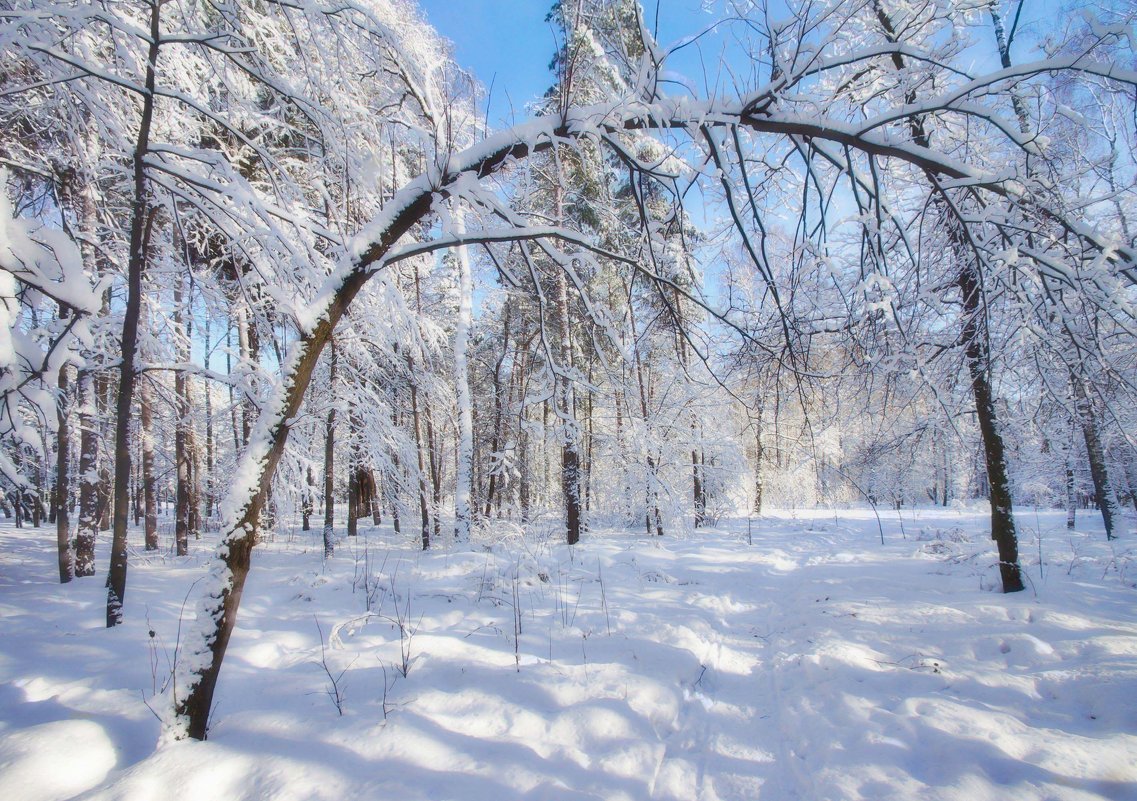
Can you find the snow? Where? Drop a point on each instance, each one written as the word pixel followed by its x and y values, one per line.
pixel 814 663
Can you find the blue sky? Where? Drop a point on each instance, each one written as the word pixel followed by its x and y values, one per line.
pixel 503 42
pixel 509 44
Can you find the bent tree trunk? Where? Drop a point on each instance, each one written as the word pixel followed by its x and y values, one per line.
pixel 206 642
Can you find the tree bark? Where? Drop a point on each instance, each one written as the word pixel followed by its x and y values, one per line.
pixel 62 482
pixel 1071 495
pixel 391 492
pixel 229 385
pixel 86 406
pixel 194 514
pixel 699 497
pixel 88 527
pixel 464 468
pixel 423 480
pixel 181 426
pixel 329 462
pixel 36 495
pixel 564 392
pixel 140 223
pixel 306 505
pixel 978 353
pixel 352 479
pixel 376 500
pixel 434 470
pixel 495 465
pixel 208 393
pixel 146 432
pixel 524 463
pixel 246 338
pixel 1103 487
pixel 589 434
pixel 759 458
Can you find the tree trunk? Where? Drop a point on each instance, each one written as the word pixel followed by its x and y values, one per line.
pixel 306 505
pixel 1071 495
pixel 352 484
pixel 1103 487
pixel 464 467
pixel 246 332
pixel 977 348
pixel 36 496
pixel 759 458
pixel 103 416
pixel 181 425
pixel 564 393
pixel 947 486
pixel 106 403
pixel 699 497
pixel 330 461
pixel 208 392
pixel 364 492
pixel 434 455
pixel 975 339
pixel 229 386
pixel 88 526
pixel 391 491
pixel 62 481
pixel 376 500
pixel 524 465
pixel 136 487
pixel 589 433
pixel 424 508
pixel 208 642
pixel 146 431
pixel 141 222
pixel 194 517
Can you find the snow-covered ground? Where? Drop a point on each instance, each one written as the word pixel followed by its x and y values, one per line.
pixel 814 663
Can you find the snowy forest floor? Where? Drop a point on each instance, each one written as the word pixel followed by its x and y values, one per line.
pixel 814 663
